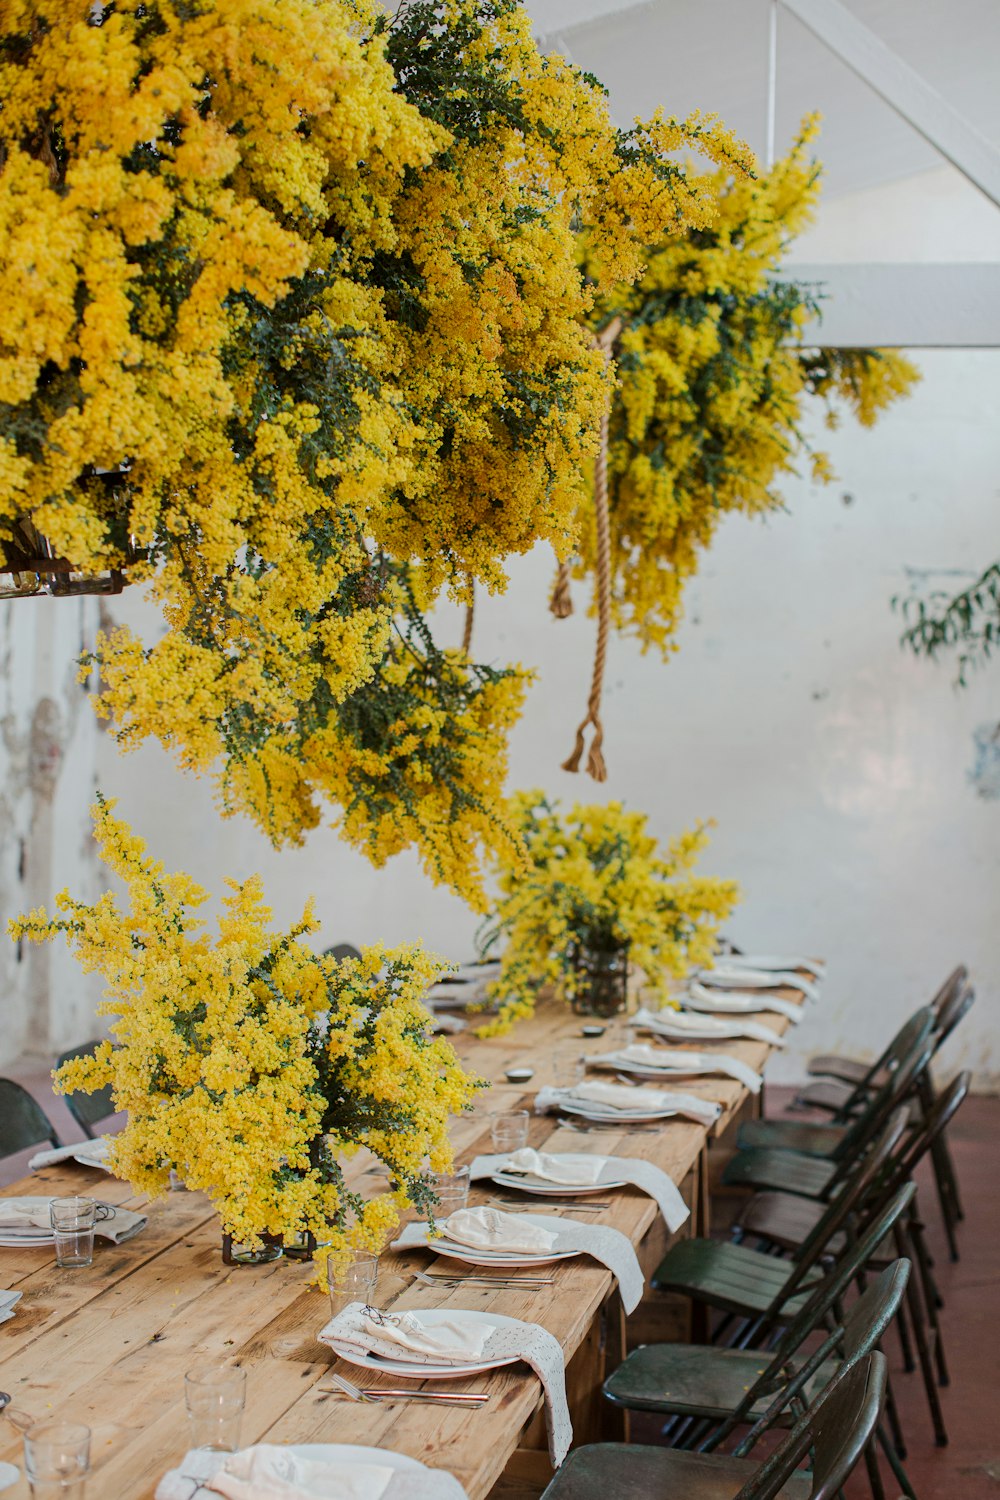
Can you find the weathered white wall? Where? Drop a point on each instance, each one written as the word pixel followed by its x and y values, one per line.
pixel 835 765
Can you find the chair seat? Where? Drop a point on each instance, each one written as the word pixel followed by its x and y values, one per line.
pixel 792 1135
pixel 847 1069
pixel 809 1176
pixel 785 1220
pixel 826 1093
pixel 732 1277
pixel 626 1471
pixel 697 1380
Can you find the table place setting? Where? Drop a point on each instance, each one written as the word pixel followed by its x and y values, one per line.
pixel 306 1471
pixel 781 963
pixel 92 1153
pixel 541 1173
pixel 444 1344
pixel 735 1002
pixel 681 1025
pixel 490 1237
pixel 729 976
pixel 648 1060
pixel 614 1103
pixel 37 1222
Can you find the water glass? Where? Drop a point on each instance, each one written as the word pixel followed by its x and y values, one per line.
pixel 56 1460
pixel 215 1396
pixel 567 1067
pixel 510 1131
pixel 73 1221
pixel 451 1190
pixel 353 1282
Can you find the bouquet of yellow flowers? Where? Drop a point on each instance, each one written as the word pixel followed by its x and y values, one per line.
pixel 250 1065
pixel 595 884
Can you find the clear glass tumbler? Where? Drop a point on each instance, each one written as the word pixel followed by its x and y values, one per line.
pixel 215 1396
pixel 509 1132
pixel 354 1281
pixel 451 1189
pixel 73 1221
pixel 56 1460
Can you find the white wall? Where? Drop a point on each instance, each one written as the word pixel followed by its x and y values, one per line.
pixel 834 764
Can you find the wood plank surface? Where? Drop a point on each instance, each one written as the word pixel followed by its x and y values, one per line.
pixel 109 1345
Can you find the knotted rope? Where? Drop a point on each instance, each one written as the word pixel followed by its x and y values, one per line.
pixel 595 758
pixel 470 615
pixel 561 600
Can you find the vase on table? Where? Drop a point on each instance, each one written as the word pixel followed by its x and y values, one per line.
pixel 601 979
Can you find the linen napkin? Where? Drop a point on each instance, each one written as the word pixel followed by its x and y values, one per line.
pixel 736 1002
pixel 29 1215
pixel 510 1339
pixel 728 978
pixel 626 1101
pixel 96 1153
pixel 680 1025
pixel 489 1229
pixel 273 1473
pixel 575 1169
pixel 669 1060
pixel 782 962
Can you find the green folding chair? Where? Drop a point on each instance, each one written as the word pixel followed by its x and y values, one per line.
pixel 837 1429
pixel 23 1121
pixel 88 1109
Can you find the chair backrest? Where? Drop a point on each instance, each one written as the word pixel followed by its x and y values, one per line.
pixel 906 1063
pixel 23 1121
pixel 870 1316
pixel 88 1109
pixel 943 1110
pixel 855 1188
pixel 952 985
pixel 957 1006
pixel 837 1427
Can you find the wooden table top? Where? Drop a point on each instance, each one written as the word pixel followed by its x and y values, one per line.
pixel 109 1345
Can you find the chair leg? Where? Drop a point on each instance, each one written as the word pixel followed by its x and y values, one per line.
pixel 905 1342
pixel 892 1415
pixel 913 1301
pixel 874 1473
pixel 930 1302
pixel 894 1458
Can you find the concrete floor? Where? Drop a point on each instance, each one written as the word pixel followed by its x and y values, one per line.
pixel 969 1467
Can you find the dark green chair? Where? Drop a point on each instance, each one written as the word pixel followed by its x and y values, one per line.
pixel 341 951
pixel 762 1289
pixel 837 1429
pixel 23 1121
pixel 88 1109
pixel 812 1160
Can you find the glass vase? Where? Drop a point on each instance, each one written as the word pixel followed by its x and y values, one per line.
pixel 601 980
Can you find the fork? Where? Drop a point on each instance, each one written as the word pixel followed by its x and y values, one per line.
pixel 529 1283
pixel 470 1400
pixel 622 1128
pixel 543 1201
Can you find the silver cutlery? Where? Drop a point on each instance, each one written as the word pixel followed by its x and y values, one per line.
pixel 623 1128
pixel 543 1201
pixel 469 1400
pixel 529 1283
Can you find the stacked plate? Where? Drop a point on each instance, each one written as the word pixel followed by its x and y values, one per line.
pixel 527 1182
pixel 24 1233
pixel 418 1370
pixel 500 1260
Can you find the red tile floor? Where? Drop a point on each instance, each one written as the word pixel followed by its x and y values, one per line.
pixel 969 1467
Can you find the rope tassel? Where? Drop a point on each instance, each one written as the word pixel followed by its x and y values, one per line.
pixel 596 766
pixel 561 600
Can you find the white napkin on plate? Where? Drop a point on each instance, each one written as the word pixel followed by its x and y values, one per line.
pixel 738 1002
pixel 641 1174
pixel 727 977
pixel 278 1474
pixel 490 1229
pixel 628 1102
pixel 574 1169
pixel 510 1339
pixel 24 1213
pixel 29 1217
pixel 681 1024
pixel 782 963
pixel 459 1341
pixel 95 1152
pixel 669 1060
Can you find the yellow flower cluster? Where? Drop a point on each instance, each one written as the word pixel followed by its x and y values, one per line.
pixel 251 1066
pixel 294 308
pixel 595 881
pixel 713 378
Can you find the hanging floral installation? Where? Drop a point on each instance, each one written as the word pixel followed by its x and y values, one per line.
pixel 249 1065
pixel 298 346
pixel 595 881
pixel 713 380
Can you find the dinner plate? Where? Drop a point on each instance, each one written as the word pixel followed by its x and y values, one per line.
pixel 504 1260
pixel 385 1365
pixel 529 1184
pixel 615 1116
pixel 350 1453
pixel 23 1242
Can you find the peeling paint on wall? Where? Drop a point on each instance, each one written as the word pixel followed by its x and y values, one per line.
pixel 985 774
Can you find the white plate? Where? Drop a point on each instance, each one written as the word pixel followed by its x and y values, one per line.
pixel 348 1453
pixel 504 1260
pixel 383 1364
pixel 530 1184
pixel 20 1242
pixel 620 1117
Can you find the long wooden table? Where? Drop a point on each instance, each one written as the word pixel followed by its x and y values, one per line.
pixel 109 1345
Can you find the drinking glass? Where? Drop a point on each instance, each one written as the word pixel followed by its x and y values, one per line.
pixel 56 1460
pixel 510 1131
pixel 452 1192
pixel 567 1067
pixel 215 1396
pixel 353 1282
pixel 73 1221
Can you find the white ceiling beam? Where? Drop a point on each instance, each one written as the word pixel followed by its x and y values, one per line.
pixel 902 87
pixel 903 306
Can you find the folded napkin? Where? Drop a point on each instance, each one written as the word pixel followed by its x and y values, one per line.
pixel 266 1472
pixel 641 1174
pixel 680 1024
pixel 727 977
pixel 489 1229
pixel 510 1338
pixel 679 1060
pixel 96 1153
pixel 783 963
pixel 736 1002
pixel 447 1024
pixel 28 1215
pixel 626 1101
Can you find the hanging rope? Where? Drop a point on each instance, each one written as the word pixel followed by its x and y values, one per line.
pixel 595 758
pixel 560 599
pixel 470 615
